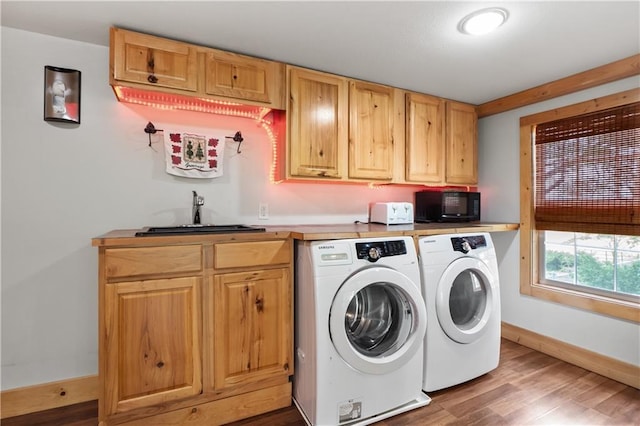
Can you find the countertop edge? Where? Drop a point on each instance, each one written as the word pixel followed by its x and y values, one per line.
pixel 126 237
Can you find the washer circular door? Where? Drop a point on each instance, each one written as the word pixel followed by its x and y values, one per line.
pixel 378 320
pixel 465 299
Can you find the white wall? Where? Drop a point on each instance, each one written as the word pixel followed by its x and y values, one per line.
pixel 499 175
pixel 63 185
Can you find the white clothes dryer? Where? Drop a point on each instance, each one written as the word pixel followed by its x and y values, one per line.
pixel 359 330
pixel 462 294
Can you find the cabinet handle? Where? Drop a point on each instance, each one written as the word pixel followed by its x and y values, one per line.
pixel 151 65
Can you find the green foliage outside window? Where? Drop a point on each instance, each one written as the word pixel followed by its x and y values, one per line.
pixel 629 278
pixel 562 266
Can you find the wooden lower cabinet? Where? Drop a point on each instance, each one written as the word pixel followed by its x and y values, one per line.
pixel 196 334
pixel 153 342
pixel 252 324
pixel 224 410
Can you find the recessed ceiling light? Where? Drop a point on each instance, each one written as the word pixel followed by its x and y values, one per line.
pixel 483 21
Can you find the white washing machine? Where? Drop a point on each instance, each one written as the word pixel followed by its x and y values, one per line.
pixel 462 295
pixel 359 330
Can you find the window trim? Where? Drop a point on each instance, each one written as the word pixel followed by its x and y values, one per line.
pixel 530 282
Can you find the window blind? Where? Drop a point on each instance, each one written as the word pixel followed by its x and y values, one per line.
pixel 587 172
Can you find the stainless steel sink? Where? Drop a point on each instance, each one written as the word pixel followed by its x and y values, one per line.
pixel 196 229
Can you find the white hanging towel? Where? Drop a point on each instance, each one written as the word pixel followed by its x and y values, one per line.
pixel 193 155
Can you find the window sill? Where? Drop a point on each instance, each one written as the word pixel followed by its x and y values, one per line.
pixel 622 309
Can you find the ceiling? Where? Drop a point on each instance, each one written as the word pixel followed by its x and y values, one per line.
pixel 413 45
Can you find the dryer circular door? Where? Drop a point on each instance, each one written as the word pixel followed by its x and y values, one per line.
pixel 465 299
pixel 378 320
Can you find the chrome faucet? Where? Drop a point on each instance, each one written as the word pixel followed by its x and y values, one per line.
pixel 198 200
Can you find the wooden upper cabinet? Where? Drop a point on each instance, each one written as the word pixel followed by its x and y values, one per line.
pixel 341 129
pixel 462 144
pixel 317 129
pixel 371 126
pixel 243 77
pixel 338 129
pixel 154 61
pixel 424 141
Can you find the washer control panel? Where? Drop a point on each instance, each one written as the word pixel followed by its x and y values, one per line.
pixel 375 250
pixel 466 244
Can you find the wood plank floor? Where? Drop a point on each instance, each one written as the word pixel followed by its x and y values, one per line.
pixel 527 388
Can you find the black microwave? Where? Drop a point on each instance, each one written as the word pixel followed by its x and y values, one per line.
pixel 447 206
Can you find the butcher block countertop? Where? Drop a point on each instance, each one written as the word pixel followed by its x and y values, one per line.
pixel 305 232
pixel 367 230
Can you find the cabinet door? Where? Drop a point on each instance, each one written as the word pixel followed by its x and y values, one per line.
pixel 155 61
pixel 242 77
pixel 317 123
pixel 425 150
pixel 371 119
pixel 152 336
pixel 462 144
pixel 252 327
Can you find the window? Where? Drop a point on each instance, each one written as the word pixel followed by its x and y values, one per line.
pixel 580 205
pixel 602 264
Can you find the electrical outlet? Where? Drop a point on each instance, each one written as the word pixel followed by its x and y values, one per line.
pixel 263 211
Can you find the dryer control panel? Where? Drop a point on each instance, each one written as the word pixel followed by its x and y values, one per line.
pixel 466 244
pixel 373 251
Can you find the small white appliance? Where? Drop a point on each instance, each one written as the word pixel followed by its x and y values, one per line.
pixel 359 330
pixel 391 213
pixel 462 294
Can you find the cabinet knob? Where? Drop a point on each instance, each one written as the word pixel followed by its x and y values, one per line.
pixel 151 67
